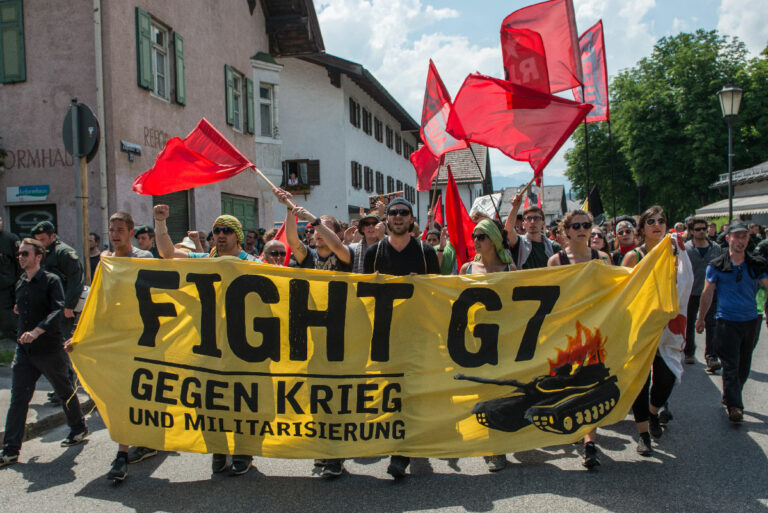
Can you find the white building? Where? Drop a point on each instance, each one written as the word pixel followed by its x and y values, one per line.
pixel 343 136
pixel 750 195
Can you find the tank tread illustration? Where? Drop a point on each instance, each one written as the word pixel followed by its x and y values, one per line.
pixel 574 411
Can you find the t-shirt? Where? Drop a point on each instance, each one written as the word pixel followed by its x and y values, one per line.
pixel 417 257
pixel 328 263
pixel 537 259
pixel 735 293
pixel 242 256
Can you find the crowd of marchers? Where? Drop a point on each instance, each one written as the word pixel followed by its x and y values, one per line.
pixel 42 282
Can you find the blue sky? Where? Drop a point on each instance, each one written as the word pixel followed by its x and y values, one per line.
pixel 395 39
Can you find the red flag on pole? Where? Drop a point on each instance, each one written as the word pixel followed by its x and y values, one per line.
pixel 201 158
pixel 525 62
pixel 460 225
pixel 524 124
pixel 595 74
pixel 555 22
pixel 437 141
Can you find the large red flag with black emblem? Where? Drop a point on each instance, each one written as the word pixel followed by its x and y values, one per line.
pixel 523 123
pixel 201 158
pixel 460 225
pixel 595 74
pixel 437 141
pixel 555 22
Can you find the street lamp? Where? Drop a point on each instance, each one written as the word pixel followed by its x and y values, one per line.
pixel 730 101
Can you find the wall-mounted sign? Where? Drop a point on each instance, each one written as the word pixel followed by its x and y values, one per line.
pixel 21 193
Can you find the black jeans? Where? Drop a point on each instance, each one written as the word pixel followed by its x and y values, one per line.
pixel 656 391
pixel 709 326
pixel 26 370
pixel 735 343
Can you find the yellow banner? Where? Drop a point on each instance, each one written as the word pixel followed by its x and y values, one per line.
pixel 235 357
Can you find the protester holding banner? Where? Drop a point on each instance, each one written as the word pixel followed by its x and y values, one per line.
pixel 575 225
pixel 652 227
pixel 400 254
pixel 531 250
pixel 227 241
pixel 737 317
pixel 490 257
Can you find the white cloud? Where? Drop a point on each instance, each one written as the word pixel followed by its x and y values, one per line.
pixel 743 18
pixel 679 25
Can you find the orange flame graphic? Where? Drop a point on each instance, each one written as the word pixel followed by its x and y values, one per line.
pixel 587 352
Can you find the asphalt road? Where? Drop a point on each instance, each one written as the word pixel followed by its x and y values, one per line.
pixel 702 463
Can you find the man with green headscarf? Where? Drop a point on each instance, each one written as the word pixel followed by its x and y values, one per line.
pixel 227 241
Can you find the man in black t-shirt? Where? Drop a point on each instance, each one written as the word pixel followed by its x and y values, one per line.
pixel 401 255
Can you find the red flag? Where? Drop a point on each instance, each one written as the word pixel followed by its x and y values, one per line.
pixel 437 141
pixel 525 62
pixel 426 165
pixel 437 217
pixel 202 158
pixel 555 22
pixel 524 124
pixel 460 225
pixel 595 73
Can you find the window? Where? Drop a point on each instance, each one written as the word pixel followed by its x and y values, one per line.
pixel 409 193
pixel 379 183
pixel 239 100
pixel 367 122
pixel 357 174
pixel 407 150
pixel 155 51
pixel 354 113
pixel 300 174
pixel 12 57
pixel 399 186
pixel 398 146
pixel 390 134
pixel 368 179
pixel 390 184
pixel 378 128
pixel 266 110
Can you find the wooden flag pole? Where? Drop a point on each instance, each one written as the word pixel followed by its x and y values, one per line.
pixel 263 177
pixel 528 186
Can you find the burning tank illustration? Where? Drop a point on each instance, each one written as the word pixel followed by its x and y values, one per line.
pixel 578 391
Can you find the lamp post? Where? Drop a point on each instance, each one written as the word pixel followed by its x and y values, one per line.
pixel 730 101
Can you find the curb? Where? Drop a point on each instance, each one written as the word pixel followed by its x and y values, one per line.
pixel 37 428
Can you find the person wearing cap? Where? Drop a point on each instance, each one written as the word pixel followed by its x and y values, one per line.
pixel 366 226
pixel 227 241
pixel 145 239
pixel 625 237
pixel 701 252
pixel 400 254
pixel 9 275
pixel 734 278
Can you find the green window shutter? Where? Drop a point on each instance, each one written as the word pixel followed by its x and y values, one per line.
pixel 251 125
pixel 181 85
pixel 12 58
pixel 144 49
pixel 230 96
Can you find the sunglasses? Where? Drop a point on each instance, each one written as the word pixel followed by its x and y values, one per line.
pixel 738 274
pixel 309 231
pixel 578 226
pixel 700 229
pixel 651 221
pixel 277 253
pixel 597 234
pixel 402 212
pixel 24 254
pixel 226 230
pixel 624 232
pixel 368 223
pixel 479 236
pixel 533 219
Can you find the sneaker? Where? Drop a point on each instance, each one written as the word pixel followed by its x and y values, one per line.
pixel 590 455
pixel 397 466
pixel 137 454
pixel 735 415
pixel 320 463
pixel 644 445
pixel 8 458
pixel 665 415
pixel 74 438
pixel 219 463
pixel 654 426
pixel 690 359
pixel 333 468
pixel 240 464
pixel 713 365
pixel 496 462
pixel 53 399
pixel 119 470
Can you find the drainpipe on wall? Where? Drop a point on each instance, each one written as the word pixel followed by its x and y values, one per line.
pixel 103 198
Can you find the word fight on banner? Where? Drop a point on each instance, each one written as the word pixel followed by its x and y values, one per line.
pixel 228 356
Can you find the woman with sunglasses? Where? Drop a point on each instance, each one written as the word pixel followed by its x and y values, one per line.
pixel 625 239
pixel 652 228
pixel 576 226
pixel 491 256
pixel 597 240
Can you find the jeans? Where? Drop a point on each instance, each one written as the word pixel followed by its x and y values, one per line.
pixel 735 343
pixel 26 370
pixel 656 391
pixel 709 325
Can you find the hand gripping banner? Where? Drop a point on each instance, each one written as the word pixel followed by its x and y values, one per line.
pixel 235 357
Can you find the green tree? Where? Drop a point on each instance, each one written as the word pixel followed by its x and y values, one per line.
pixel 667 124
